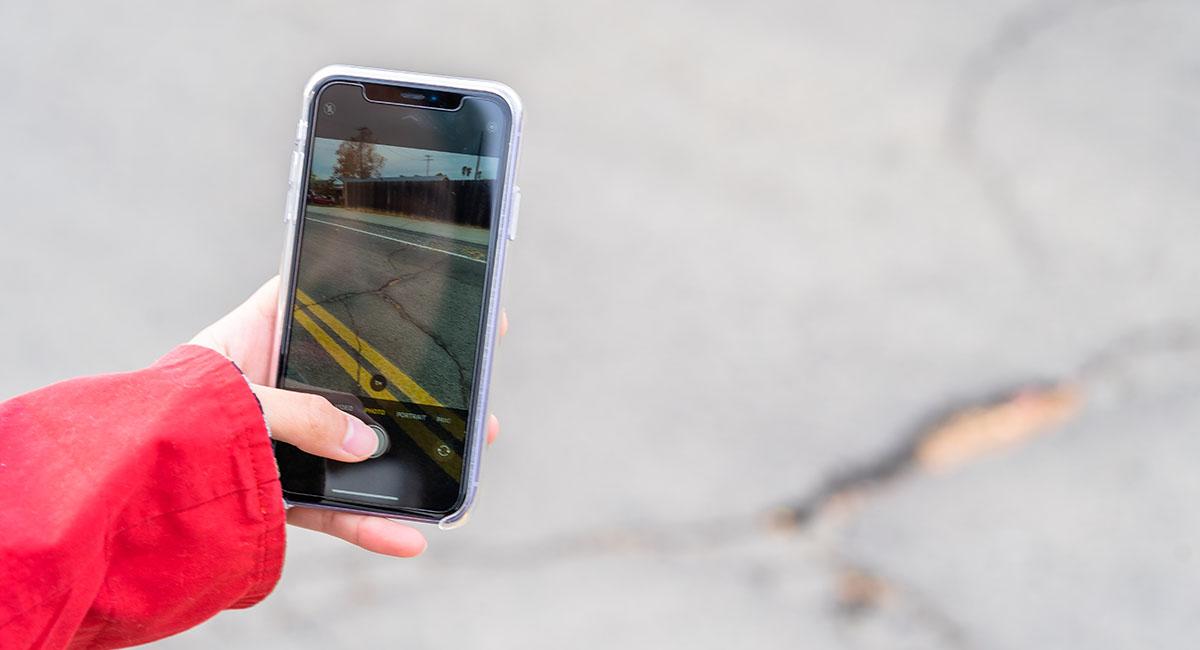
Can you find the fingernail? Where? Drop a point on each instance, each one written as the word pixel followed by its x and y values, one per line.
pixel 360 440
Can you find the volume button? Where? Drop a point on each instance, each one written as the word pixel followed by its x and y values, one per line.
pixel 293 187
pixel 294 171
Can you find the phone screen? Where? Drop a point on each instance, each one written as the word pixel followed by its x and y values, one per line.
pixel 395 243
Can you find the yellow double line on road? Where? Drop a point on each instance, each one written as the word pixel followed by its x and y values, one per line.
pixel 397 377
pixel 450 462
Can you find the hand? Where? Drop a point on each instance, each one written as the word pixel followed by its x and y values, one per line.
pixel 311 423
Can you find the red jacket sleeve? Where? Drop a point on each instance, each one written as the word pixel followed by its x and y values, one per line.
pixel 135 505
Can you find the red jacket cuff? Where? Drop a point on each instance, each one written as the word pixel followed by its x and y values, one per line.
pixel 136 504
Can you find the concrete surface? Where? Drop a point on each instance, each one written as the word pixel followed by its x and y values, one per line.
pixel 760 243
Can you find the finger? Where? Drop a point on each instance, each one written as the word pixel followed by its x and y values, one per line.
pixel 372 533
pixel 265 301
pixel 311 423
pixel 493 429
pixel 246 334
pixel 503 322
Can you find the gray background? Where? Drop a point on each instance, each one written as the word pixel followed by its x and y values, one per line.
pixel 761 243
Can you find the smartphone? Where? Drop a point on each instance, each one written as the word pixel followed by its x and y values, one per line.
pixel 401 202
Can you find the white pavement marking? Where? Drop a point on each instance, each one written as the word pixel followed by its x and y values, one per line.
pixel 402 241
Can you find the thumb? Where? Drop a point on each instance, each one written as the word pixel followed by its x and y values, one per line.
pixel 314 425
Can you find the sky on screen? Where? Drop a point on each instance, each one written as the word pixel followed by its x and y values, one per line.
pixel 403 161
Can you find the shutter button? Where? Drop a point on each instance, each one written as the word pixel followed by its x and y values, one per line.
pixel 383 441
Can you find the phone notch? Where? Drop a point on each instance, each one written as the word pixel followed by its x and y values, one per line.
pixel 412 96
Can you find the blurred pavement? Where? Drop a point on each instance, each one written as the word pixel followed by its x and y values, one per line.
pixel 761 244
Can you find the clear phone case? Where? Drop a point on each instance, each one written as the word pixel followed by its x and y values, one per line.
pixel 510 195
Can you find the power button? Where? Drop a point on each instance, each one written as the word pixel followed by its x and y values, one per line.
pixel 514 212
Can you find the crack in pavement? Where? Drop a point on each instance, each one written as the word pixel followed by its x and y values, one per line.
pixel 864 592
pixel 848 487
pixel 860 590
pixel 344 299
pixel 896 462
pixel 1057 400
pixel 402 278
pixel 967 98
pixel 1110 360
pixel 953 434
pixel 441 343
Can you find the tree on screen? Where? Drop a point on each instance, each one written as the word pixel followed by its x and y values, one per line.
pixel 357 158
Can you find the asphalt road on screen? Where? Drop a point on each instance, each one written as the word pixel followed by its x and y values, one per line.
pixel 411 298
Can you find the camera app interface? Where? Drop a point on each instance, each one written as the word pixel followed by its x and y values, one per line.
pixel 389 288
